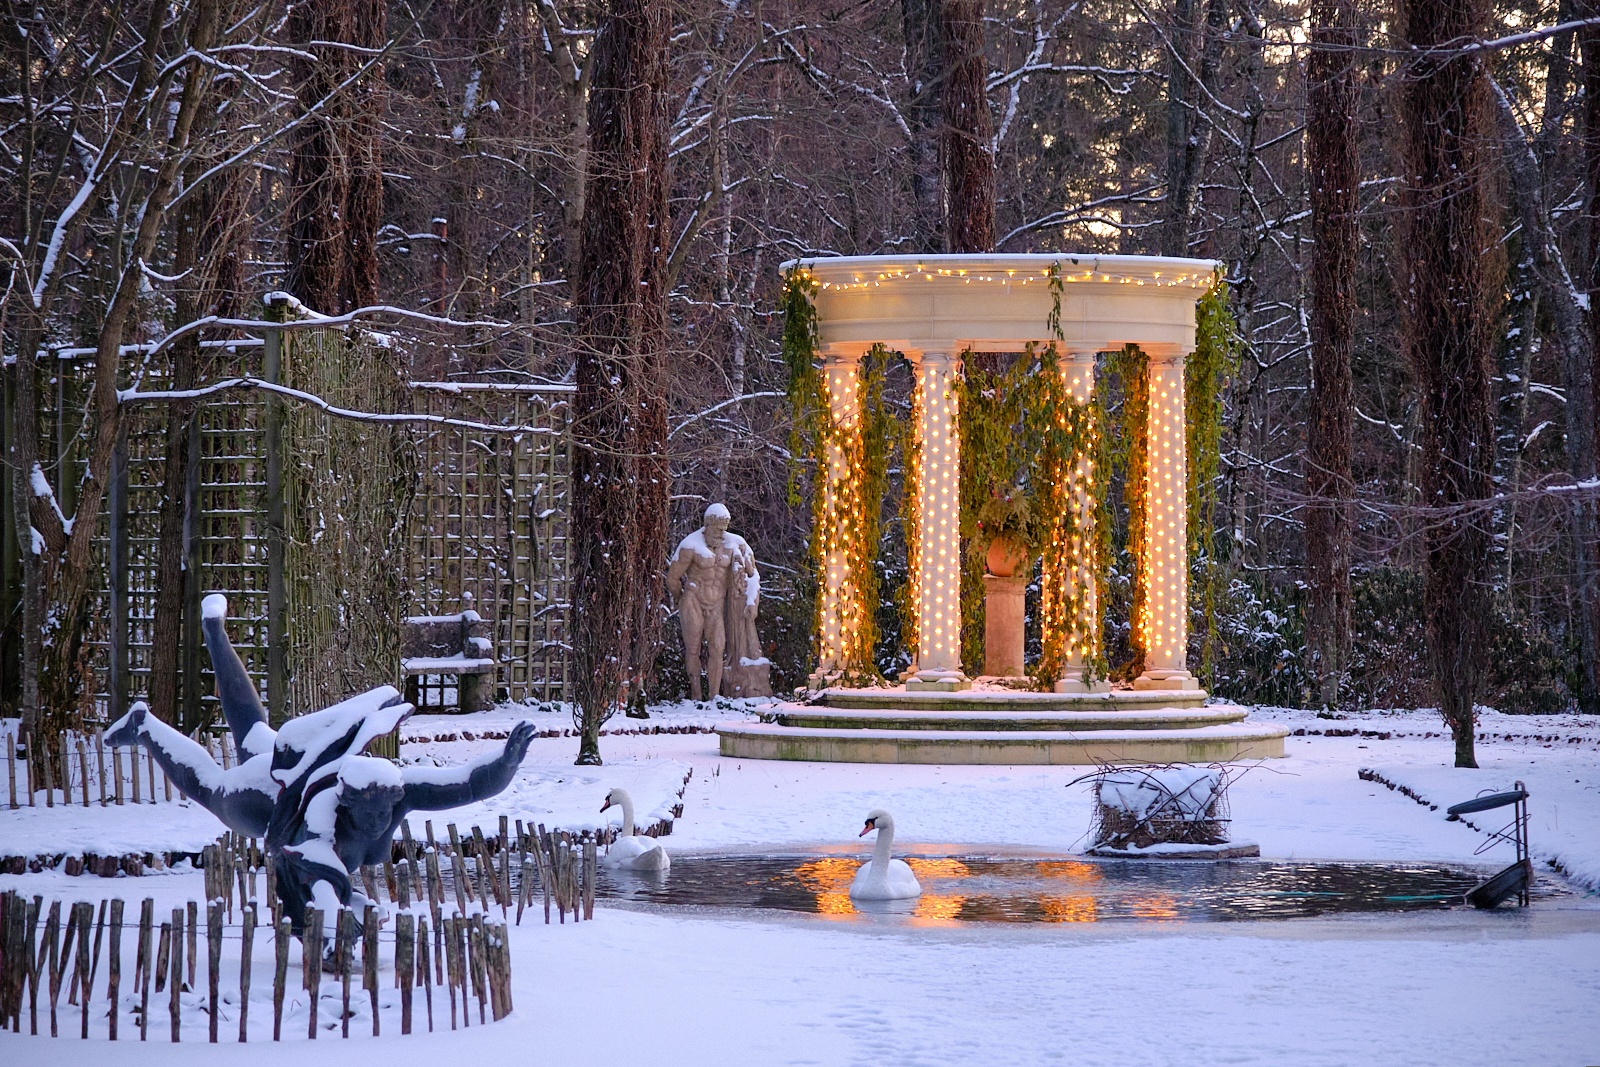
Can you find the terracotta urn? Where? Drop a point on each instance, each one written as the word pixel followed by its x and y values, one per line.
pixel 1006 556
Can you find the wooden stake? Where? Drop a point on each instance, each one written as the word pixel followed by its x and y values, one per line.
pixel 405 933
pixel 194 945
pixel 480 977
pixel 163 957
pixel 133 758
pixel 280 973
pixel 247 939
pixel 590 861
pixel 214 962
pixel 83 770
pixel 11 768
pixel 459 869
pixel 311 965
pixel 116 770
pixel 450 960
pixel 147 914
pixel 100 758
pixel 32 961
pixel 99 936
pixel 435 899
pixel 175 982
pixel 52 928
pixel 424 972
pixel 346 950
pixel 114 967
pixel 505 866
pixel 369 961
pixel 85 918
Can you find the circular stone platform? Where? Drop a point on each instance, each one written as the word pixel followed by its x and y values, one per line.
pixel 1005 727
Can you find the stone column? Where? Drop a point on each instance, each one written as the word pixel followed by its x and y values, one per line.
pixel 939 557
pixel 1004 615
pixel 1165 566
pixel 841 608
pixel 1077 372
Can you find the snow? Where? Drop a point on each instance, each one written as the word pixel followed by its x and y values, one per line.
pixel 692 986
pixel 377 711
pixel 455 664
pixel 364 772
pixel 1187 792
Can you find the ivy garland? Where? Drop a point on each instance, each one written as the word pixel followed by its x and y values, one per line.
pixel 858 484
pixel 1205 375
pixel 1128 454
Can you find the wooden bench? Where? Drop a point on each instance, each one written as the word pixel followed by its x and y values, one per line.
pixel 454 645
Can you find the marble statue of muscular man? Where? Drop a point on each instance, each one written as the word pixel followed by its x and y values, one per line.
pixel 705 566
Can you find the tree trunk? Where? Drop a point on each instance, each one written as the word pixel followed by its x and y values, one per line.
pixel 968 131
pixel 924 62
pixel 319 170
pixel 358 286
pixel 1331 156
pixel 1189 129
pixel 1449 255
pixel 619 423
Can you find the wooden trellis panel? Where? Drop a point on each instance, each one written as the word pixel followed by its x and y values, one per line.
pixel 489 528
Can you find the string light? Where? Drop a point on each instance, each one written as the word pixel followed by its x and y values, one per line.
pixel 1164 562
pixel 875 279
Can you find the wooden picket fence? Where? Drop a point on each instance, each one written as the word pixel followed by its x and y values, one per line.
pixel 87 771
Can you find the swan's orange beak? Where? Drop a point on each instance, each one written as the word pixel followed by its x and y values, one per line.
pixel 606 805
pixel 866 830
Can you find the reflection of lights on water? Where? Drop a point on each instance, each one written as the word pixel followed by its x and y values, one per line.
pixel 938 868
pixel 827 875
pixel 1068 909
pixel 1159 906
pixel 1069 871
pixel 938 906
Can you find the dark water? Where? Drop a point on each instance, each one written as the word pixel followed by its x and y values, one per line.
pixel 1055 890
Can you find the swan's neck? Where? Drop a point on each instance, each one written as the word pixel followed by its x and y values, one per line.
pixel 880 851
pixel 627 816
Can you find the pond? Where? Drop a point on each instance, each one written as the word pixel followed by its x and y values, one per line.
pixel 1053 890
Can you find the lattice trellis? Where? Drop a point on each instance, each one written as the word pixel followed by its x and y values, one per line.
pixel 410 519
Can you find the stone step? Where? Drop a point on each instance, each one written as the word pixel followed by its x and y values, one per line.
pixel 1164 718
pixel 898 699
pixel 1218 743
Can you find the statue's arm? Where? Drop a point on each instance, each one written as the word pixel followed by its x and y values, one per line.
pixel 435 788
pixel 675 573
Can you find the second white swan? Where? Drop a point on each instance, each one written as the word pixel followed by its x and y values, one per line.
pixel 882 878
pixel 631 851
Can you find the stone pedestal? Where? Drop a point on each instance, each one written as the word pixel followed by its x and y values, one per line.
pixel 747 680
pixel 1002 628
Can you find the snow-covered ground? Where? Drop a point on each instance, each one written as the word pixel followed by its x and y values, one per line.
pixel 704 987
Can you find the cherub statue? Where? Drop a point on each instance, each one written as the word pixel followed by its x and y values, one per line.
pixel 322 807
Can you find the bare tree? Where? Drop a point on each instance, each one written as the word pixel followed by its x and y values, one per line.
pixel 1448 260
pixel 619 493
pixel 1333 179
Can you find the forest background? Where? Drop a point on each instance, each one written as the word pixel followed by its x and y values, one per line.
pixel 166 165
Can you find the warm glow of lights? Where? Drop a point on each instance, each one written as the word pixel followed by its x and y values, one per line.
pixel 1158 906
pixel 1068 909
pixel 842 611
pixel 938 868
pixel 938 907
pixel 1163 566
pixel 938 549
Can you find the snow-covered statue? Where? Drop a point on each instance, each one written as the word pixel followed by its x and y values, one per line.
pixel 714 580
pixel 323 808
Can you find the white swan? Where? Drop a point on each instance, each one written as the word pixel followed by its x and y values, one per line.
pixel 630 851
pixel 882 878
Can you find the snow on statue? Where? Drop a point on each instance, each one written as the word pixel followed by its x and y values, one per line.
pixel 323 808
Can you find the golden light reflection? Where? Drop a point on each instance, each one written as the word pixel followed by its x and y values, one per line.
pixel 1161 907
pixel 940 868
pixel 938 907
pixel 1058 909
pixel 1068 870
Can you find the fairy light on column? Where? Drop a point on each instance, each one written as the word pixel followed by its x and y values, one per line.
pixel 1081 597
pixel 1164 564
pixel 841 610
pixel 938 583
